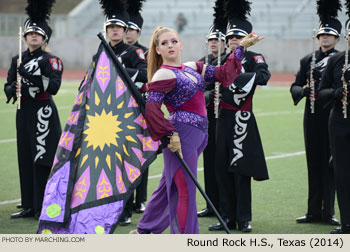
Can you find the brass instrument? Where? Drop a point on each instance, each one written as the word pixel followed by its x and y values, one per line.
pixel 217 84
pixel 19 61
pixel 312 81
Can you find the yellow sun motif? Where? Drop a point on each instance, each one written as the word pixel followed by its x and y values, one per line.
pixel 103 130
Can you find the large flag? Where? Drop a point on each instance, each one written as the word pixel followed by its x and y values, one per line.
pixel 101 155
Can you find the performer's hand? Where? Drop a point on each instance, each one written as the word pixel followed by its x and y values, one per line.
pixel 316 74
pixel 250 40
pixel 347 76
pixel 35 80
pixel 13 87
pixel 18 87
pixel 174 143
pixel 211 95
pixel 217 97
pixel 22 71
pixel 306 91
pixel 10 91
pixel 339 93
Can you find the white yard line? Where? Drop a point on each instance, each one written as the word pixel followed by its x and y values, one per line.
pixel 286 155
pixel 267 158
pixel 8 140
pixel 10 201
pixel 199 169
pixel 277 113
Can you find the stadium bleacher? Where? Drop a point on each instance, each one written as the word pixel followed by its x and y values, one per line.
pixel 287 19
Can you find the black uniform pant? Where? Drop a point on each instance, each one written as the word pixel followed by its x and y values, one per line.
pixel 141 196
pixel 320 169
pixel 339 133
pixel 234 189
pixel 210 182
pixel 32 177
pixel 141 190
pixel 34 171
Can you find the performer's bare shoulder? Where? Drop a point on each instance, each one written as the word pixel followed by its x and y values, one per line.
pixel 163 74
pixel 191 64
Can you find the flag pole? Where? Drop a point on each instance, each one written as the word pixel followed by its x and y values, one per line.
pixel 141 102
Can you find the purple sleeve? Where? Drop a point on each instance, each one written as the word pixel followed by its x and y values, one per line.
pixel 229 71
pixel 209 75
pixel 226 73
pixel 157 125
pixel 239 53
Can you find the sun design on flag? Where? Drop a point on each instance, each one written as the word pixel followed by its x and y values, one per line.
pixel 103 130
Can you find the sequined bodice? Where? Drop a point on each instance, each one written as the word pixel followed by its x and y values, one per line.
pixel 185 88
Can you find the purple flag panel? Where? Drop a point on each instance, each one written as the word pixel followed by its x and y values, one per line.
pixel 103 74
pixel 55 195
pixel 103 187
pixel 102 153
pixel 119 180
pixel 81 189
pixel 66 140
pixel 95 220
pixel 73 118
pixel 120 87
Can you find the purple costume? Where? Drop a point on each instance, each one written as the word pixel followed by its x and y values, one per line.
pixel 174 201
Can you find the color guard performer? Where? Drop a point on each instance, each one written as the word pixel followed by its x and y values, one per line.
pixel 180 87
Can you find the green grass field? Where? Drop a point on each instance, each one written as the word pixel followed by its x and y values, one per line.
pixel 276 202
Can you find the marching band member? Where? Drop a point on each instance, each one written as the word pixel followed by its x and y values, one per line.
pixel 37 122
pixel 320 206
pixel 214 39
pixel 335 87
pixel 239 151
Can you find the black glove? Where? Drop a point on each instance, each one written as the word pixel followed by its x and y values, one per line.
pixel 347 76
pixel 22 71
pixel 211 96
pixel 316 74
pixel 10 91
pixel 338 93
pixel 305 92
pixel 36 80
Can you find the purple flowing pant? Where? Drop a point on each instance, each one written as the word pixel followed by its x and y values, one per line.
pixel 174 201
